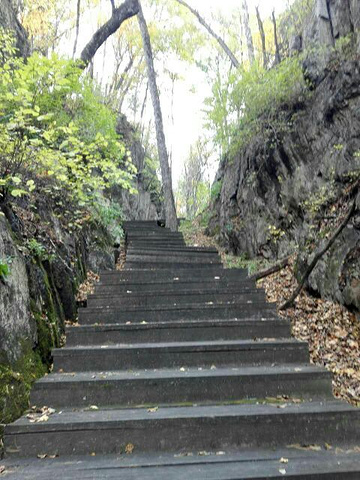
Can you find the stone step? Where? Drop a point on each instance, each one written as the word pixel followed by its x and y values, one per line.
pixel 180 331
pixel 149 249
pixel 176 275
pixel 179 312
pixel 174 387
pixel 180 354
pixel 153 235
pixel 174 298
pixel 169 258
pixel 163 288
pixel 245 464
pixel 169 265
pixel 184 429
pixel 171 253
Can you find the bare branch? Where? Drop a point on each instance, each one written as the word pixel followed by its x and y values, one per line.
pixel 220 41
pixel 269 271
pixel 317 257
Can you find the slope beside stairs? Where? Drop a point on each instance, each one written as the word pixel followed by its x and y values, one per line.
pixel 180 368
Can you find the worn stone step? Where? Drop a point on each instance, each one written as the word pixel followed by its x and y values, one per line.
pixel 175 387
pixel 180 331
pixel 244 464
pixel 176 256
pixel 180 354
pixel 184 429
pixel 176 275
pixel 174 298
pixel 169 258
pixel 178 312
pixel 149 249
pixel 163 288
pixel 153 235
pixel 169 265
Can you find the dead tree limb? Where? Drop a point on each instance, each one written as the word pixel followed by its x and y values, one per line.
pixel 317 257
pixel 77 27
pixel 269 271
pixel 262 36
pixel 276 40
pixel 127 9
pixel 220 41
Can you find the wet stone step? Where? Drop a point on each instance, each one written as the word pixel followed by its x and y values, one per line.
pixel 202 428
pixel 188 298
pixel 170 265
pixel 245 464
pixel 185 354
pixel 168 288
pixel 180 312
pixel 175 387
pixel 173 275
pixel 197 259
pixel 180 331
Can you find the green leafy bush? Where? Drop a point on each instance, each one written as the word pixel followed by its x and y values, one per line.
pixel 55 128
pixel 254 101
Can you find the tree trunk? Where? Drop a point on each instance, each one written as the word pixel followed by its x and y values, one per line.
pixel 169 203
pixel 248 35
pixel 127 9
pixel 77 27
pixel 220 41
pixel 277 48
pixel 262 35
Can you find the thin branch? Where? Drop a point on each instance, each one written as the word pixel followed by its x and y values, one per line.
pixel 269 271
pixel 220 41
pixel 317 257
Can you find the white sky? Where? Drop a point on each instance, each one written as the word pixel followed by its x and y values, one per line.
pixel 187 113
pixel 187 107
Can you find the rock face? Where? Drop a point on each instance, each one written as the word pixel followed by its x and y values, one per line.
pixel 8 20
pixel 269 188
pixel 16 324
pixel 143 205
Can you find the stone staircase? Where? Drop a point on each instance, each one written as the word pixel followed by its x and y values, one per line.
pixel 180 367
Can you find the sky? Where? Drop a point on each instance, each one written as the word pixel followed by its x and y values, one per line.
pixel 188 104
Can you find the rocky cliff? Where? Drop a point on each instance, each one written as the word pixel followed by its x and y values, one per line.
pixel 9 21
pixel 286 193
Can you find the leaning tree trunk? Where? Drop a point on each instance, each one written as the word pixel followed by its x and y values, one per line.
pixel 248 34
pixel 262 35
pixel 276 40
pixel 77 27
pixel 220 41
pixel 127 9
pixel 169 203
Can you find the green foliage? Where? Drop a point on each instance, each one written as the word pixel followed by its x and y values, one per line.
pixel 216 190
pixel 4 270
pixel 257 101
pixel 38 250
pixel 110 216
pixel 54 127
pixel 15 385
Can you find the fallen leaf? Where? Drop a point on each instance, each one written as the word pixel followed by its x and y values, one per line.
pixel 153 409
pixel 129 448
